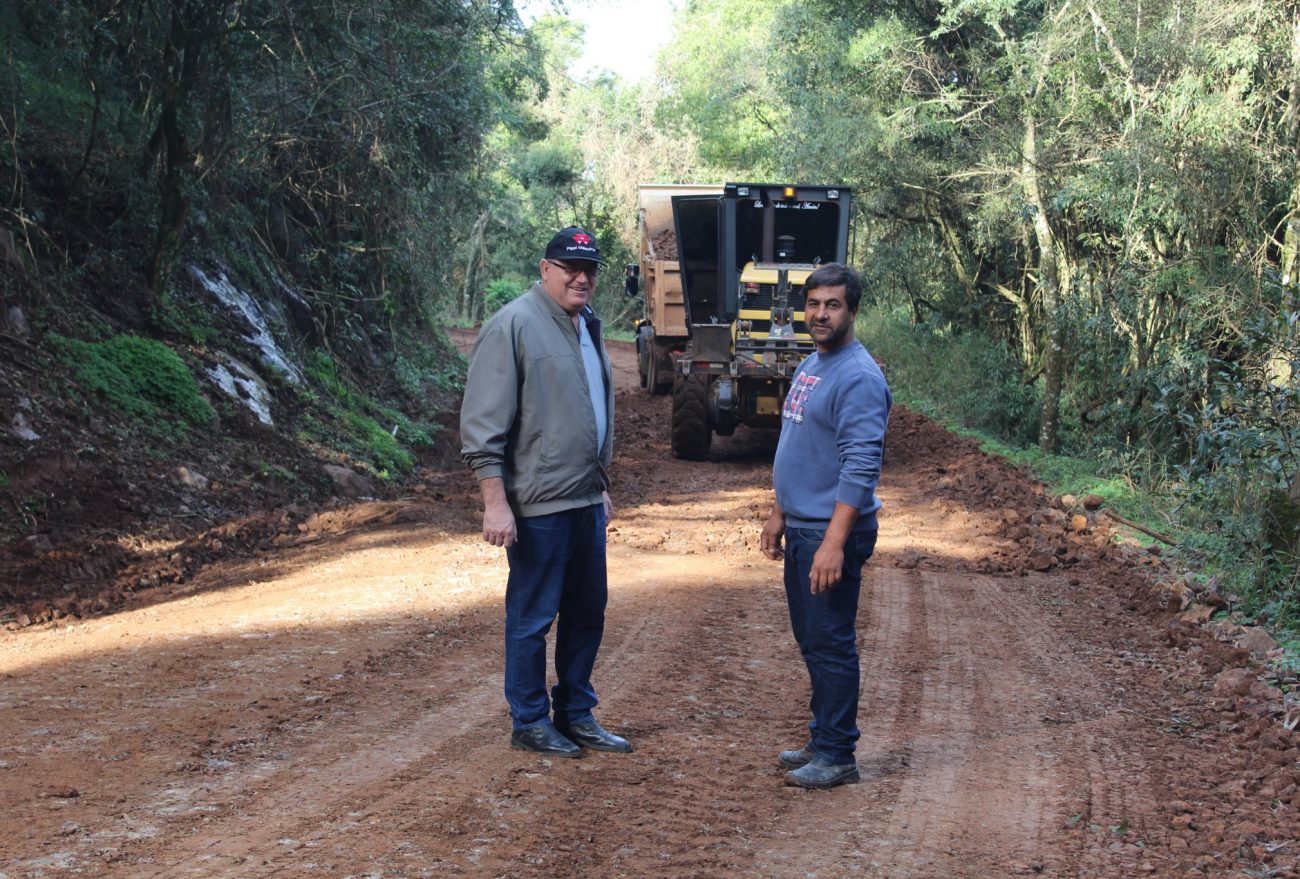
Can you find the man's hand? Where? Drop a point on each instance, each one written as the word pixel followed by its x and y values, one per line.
pixel 827 567
pixel 609 506
pixel 498 518
pixel 499 525
pixel 828 560
pixel 769 542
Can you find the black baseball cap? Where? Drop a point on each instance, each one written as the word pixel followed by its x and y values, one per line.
pixel 573 242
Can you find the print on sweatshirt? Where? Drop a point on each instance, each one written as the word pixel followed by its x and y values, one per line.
pixel 797 399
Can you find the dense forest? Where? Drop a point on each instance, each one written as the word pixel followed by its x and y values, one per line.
pixel 1078 220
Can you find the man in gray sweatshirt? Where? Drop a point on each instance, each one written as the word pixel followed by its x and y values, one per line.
pixel 537 429
pixel 825 475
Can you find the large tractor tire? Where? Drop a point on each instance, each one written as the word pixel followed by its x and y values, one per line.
pixel 691 432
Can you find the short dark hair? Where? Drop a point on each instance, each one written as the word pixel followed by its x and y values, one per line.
pixel 836 274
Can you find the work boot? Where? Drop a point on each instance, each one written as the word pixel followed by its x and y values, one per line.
pixel 590 734
pixel 820 774
pixel 544 739
pixel 796 758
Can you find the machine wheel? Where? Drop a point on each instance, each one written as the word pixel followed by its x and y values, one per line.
pixel 691 432
pixel 659 374
pixel 644 359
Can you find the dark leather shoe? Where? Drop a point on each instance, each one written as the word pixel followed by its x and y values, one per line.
pixel 820 775
pixel 796 758
pixel 590 734
pixel 544 739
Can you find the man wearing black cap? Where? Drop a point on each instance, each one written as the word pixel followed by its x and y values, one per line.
pixel 537 429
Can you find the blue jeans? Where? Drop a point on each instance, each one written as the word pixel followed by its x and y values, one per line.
pixel 825 628
pixel 557 569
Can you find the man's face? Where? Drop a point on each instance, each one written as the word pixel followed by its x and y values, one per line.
pixel 828 317
pixel 569 282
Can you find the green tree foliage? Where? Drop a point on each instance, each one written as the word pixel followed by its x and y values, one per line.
pixel 722 90
pixel 576 162
pixel 1100 178
pixel 342 141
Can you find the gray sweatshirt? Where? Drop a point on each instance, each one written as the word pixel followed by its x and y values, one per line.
pixel 527 415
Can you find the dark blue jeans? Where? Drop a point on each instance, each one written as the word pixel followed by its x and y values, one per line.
pixel 557 569
pixel 825 628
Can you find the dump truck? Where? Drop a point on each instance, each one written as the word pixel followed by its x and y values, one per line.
pixel 724 324
pixel 662 333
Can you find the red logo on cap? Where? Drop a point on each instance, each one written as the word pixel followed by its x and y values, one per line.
pixel 581 238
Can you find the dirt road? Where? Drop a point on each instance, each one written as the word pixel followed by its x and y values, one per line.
pixel 334 708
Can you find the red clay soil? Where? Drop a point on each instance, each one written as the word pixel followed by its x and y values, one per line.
pixel 326 700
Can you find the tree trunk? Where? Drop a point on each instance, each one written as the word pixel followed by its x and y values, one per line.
pixel 957 254
pixel 471 302
pixel 1291 237
pixel 1049 285
pixel 173 207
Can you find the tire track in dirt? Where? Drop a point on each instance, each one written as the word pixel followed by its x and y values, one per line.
pixel 978 778
pixel 393 765
pixel 321 778
pixel 670 809
pixel 965 771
